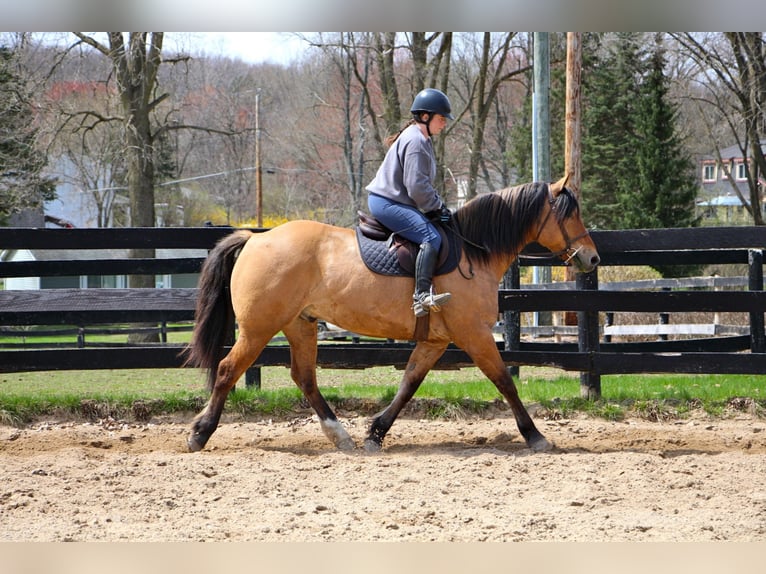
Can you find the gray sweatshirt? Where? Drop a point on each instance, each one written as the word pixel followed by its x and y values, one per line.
pixel 407 172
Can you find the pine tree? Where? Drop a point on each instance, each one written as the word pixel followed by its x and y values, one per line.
pixel 22 184
pixel 635 171
pixel 609 93
pixel 520 143
pixel 665 188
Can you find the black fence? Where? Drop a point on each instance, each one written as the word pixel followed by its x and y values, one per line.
pixel 593 303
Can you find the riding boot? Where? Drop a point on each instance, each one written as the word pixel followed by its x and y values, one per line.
pixel 424 299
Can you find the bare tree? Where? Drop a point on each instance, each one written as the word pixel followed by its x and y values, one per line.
pixel 482 73
pixel 98 161
pixel 354 62
pixel 135 65
pixel 385 48
pixel 376 76
pixel 733 65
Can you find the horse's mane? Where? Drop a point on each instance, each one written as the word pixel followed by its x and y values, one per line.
pixel 496 224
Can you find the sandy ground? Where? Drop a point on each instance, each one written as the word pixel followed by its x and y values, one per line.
pixel 467 480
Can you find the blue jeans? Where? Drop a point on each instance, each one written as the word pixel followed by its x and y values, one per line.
pixel 404 220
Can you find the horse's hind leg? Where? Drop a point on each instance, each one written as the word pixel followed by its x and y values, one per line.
pixel 302 336
pixel 230 369
pixel 422 359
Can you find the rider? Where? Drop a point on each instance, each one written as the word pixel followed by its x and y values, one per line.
pixel 402 195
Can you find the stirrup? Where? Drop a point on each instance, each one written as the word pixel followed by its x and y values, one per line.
pixel 423 303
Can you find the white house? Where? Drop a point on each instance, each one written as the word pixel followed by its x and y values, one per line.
pixel 90 281
pixel 718 200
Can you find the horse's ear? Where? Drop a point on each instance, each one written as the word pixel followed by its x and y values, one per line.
pixel 559 186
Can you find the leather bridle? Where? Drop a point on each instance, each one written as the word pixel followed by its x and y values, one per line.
pixel 569 251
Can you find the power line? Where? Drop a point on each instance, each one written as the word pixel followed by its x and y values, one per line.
pixel 224 173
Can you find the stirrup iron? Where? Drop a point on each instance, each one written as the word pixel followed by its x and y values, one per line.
pixel 423 303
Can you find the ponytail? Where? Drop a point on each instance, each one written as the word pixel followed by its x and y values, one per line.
pixel 389 141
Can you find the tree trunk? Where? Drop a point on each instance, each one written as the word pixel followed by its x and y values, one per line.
pixel 136 73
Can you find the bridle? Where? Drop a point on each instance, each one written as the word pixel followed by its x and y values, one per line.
pixel 569 251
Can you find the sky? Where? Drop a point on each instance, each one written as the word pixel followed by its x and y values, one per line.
pixel 250 47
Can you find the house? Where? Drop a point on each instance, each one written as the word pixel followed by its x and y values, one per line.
pixel 718 202
pixel 90 281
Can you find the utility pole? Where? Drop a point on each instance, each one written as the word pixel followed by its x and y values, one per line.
pixel 541 148
pixel 572 138
pixel 258 170
pixel 541 153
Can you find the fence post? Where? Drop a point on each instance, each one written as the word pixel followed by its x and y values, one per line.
pixel 755 283
pixel 253 378
pixel 512 319
pixel 587 337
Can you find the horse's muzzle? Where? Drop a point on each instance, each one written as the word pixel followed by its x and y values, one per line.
pixel 584 258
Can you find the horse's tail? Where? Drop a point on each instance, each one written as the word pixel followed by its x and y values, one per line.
pixel 214 315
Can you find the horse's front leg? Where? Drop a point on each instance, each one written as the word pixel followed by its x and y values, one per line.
pixel 422 359
pixel 483 350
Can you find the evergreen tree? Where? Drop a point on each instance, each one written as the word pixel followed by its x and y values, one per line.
pixel 636 173
pixel 609 100
pixel 665 188
pixel 22 185
pixel 519 151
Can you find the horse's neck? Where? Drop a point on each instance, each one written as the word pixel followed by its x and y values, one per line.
pixel 499 266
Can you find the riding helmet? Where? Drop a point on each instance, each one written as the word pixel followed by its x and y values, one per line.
pixel 432 101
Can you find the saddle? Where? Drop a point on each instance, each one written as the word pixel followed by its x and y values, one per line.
pixel 386 253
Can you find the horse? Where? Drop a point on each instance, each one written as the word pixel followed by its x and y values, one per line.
pixel 293 275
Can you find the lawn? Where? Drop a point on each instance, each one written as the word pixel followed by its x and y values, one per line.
pixel 25 396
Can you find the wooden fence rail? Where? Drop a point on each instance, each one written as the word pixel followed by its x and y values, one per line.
pixel 592 301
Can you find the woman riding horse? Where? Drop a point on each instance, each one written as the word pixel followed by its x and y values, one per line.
pixel 402 195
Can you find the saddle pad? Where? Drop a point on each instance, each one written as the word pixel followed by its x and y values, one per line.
pixel 384 261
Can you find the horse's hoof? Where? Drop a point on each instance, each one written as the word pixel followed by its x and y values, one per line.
pixel 372 446
pixel 193 445
pixel 540 444
pixel 347 444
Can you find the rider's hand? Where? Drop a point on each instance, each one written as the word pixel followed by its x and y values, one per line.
pixel 445 214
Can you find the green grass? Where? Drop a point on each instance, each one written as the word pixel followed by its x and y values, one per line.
pixel 142 393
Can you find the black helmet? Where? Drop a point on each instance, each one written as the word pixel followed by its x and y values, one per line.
pixel 432 101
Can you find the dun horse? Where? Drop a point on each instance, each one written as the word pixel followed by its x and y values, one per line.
pixel 291 276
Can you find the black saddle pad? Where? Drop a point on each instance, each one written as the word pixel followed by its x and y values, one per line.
pixel 381 258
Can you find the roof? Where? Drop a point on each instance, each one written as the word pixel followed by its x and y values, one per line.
pixel 733 152
pixel 723 201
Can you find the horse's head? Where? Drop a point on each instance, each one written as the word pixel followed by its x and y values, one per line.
pixel 562 230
